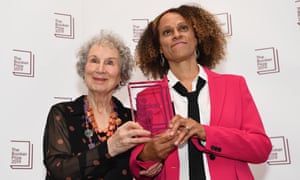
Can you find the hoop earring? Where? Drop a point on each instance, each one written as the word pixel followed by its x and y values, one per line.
pixel 162 59
pixel 121 83
pixel 197 53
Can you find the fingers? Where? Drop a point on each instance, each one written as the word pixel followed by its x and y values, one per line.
pixel 138 140
pixel 163 137
pixel 132 125
pixel 133 130
pixel 137 133
pixel 133 137
pixel 153 170
pixel 185 128
pixel 183 135
pixel 127 136
pixel 176 122
pixel 158 148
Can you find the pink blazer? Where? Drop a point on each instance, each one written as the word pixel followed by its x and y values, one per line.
pixel 234 138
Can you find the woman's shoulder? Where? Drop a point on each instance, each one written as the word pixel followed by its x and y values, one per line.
pixel 229 76
pixel 118 103
pixel 70 107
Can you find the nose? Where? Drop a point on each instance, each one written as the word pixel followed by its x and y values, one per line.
pixel 176 34
pixel 101 67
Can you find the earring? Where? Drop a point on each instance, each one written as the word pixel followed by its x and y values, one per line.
pixel 121 83
pixel 197 53
pixel 162 59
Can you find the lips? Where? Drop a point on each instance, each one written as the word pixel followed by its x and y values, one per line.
pixel 99 79
pixel 177 43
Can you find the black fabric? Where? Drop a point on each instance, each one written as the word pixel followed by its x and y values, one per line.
pixel 196 166
pixel 72 159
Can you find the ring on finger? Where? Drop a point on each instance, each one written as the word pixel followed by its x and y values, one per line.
pixel 187 128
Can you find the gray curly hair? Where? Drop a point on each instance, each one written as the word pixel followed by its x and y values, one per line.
pixel 111 39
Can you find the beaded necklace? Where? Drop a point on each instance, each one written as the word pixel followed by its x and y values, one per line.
pixel 91 126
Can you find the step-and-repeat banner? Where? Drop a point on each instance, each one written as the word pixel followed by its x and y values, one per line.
pixel 39 41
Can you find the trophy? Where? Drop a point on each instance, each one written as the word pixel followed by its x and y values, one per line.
pixel 151 104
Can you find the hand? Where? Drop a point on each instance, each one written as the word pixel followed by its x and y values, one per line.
pixel 127 136
pixel 186 128
pixel 153 170
pixel 159 147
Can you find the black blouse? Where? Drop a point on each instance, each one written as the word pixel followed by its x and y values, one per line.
pixel 66 152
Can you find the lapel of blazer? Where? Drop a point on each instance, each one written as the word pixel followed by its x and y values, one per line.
pixel 217 88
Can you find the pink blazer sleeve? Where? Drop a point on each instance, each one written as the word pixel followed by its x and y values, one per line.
pixel 136 165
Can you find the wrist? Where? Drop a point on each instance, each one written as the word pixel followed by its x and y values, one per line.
pixel 202 134
pixel 110 148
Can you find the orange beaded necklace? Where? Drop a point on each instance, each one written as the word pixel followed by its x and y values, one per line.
pixel 91 126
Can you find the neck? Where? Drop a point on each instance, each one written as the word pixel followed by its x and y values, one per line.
pixel 185 71
pixel 100 103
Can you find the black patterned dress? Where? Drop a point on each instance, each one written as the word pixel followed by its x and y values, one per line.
pixel 66 152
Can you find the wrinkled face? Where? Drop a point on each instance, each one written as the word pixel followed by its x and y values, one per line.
pixel 102 70
pixel 176 37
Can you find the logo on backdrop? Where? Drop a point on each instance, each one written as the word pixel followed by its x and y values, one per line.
pixel 267 60
pixel 138 27
pixel 23 63
pixel 280 154
pixel 64 26
pixel 225 23
pixel 298 11
pixel 21 154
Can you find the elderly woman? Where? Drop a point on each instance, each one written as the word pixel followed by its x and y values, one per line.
pixel 91 137
pixel 217 130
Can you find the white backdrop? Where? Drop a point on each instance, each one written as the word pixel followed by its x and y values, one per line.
pixel 39 40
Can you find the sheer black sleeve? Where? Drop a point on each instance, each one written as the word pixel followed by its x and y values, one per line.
pixel 59 157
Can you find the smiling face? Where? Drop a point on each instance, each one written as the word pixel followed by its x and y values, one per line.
pixel 102 69
pixel 176 37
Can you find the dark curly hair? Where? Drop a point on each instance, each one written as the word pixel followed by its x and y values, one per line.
pixel 211 41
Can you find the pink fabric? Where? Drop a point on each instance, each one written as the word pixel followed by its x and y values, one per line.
pixel 235 136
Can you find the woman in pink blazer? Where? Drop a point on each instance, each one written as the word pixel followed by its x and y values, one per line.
pixel 183 44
